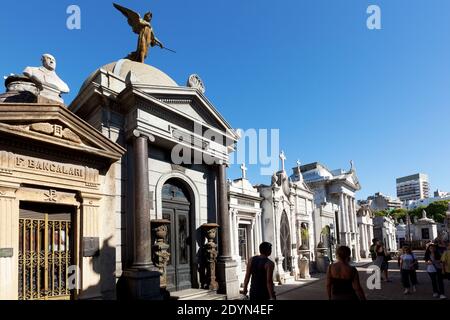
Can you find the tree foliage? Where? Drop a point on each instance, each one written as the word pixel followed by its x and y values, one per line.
pixel 381 213
pixel 436 211
pixel 398 214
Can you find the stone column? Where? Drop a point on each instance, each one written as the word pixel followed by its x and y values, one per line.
pixel 343 222
pixel 90 228
pixel 252 238
pixel 143 278
pixel 348 222
pixel 277 253
pixel 142 231
pixel 226 266
pixel 370 233
pixel 9 243
pixel 365 239
pixel 234 240
pixel 258 234
pixel 349 214
pixel 235 227
pixel 294 240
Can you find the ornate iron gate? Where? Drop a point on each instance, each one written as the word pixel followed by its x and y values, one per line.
pixel 44 256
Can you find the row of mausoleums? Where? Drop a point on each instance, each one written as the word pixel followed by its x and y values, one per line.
pixel 94 203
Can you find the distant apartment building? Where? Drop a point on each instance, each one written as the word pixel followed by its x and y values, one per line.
pixel 379 202
pixel 414 187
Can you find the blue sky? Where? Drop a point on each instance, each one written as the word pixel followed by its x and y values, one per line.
pixel 336 90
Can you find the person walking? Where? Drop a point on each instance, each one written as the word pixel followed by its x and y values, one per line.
pixel 407 267
pixel 434 269
pixel 343 279
pixel 373 253
pixel 260 270
pixel 382 260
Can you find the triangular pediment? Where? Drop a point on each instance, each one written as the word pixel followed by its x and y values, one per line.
pixel 55 125
pixel 193 108
pixel 188 102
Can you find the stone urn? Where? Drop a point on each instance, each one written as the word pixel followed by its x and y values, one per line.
pixel 211 253
pixel 160 254
pixel 322 259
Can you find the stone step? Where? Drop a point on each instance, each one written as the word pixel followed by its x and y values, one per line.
pixel 212 295
pixel 196 294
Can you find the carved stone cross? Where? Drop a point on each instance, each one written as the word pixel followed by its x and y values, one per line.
pixel 244 171
pixel 283 159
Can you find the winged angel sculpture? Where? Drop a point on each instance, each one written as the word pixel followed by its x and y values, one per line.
pixel 144 29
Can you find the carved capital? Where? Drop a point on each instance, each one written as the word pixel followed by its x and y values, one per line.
pixel 139 133
pixel 8 192
pixel 90 200
pixel 6 162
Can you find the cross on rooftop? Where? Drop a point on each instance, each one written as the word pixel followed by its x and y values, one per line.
pixel 244 171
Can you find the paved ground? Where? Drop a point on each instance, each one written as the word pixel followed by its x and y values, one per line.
pixel 315 290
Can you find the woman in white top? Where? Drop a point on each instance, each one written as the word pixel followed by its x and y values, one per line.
pixel 408 264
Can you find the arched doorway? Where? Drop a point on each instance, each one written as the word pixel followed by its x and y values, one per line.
pixel 285 241
pixel 177 208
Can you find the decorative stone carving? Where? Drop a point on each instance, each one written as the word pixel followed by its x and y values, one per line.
pixel 304 268
pixel 179 168
pixel 160 247
pixel 196 82
pixel 6 162
pixel 51 196
pixel 55 130
pixel 211 253
pixel 322 259
pixel 20 84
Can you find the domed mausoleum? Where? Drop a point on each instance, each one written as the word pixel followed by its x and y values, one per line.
pixel 172 176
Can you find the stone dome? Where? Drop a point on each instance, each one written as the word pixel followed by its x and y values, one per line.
pixel 141 73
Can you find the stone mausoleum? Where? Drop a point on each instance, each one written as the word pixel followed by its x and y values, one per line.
pixel 127 185
pixel 57 198
pixel 174 170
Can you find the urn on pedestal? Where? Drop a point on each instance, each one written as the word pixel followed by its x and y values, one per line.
pixel 211 253
pixel 160 255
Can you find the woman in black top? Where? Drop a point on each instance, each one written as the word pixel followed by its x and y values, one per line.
pixel 260 269
pixel 382 260
pixel 343 279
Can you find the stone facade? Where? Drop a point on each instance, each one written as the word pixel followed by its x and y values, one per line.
pixel 245 223
pixel 380 202
pixel 334 197
pixel 385 230
pixel 287 211
pixel 180 144
pixel 56 172
pixel 365 227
